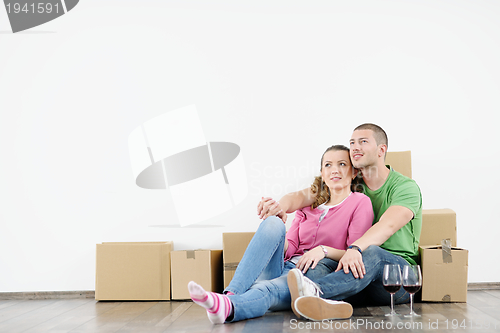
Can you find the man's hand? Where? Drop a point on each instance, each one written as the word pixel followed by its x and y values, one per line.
pixel 310 259
pixel 269 207
pixel 352 260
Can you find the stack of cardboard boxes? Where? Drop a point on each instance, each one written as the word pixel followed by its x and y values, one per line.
pixel 444 266
pixel 153 271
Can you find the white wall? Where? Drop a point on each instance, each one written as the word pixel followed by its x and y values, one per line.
pixel 282 79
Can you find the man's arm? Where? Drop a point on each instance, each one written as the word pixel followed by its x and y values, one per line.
pixel 288 204
pixel 394 218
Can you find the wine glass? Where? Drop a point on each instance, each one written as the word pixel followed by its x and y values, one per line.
pixel 412 281
pixel 392 283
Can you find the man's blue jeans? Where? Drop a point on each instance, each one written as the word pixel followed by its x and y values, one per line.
pixel 259 283
pixel 366 291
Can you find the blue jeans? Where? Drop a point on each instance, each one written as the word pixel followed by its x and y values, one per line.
pixel 259 283
pixel 366 291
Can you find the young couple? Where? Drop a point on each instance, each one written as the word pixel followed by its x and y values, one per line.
pixel 339 239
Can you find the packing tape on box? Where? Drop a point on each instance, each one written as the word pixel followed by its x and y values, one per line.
pixel 171 151
pixel 446 250
pixel 231 266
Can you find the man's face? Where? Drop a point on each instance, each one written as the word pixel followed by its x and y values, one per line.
pixel 363 149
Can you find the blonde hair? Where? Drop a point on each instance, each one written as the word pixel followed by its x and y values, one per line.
pixel 322 192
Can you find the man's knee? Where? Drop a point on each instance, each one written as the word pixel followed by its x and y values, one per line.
pixel 372 251
pixel 374 254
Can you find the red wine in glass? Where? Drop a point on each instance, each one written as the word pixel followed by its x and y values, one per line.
pixel 392 288
pixel 412 281
pixel 392 283
pixel 412 289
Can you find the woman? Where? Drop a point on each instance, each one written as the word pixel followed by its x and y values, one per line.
pixel 337 218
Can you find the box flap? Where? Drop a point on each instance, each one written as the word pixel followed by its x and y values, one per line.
pixel 439 247
pixel 438 224
pixel 136 243
pixel 400 161
pixel 441 211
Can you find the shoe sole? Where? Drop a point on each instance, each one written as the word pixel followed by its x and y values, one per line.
pixel 317 309
pixel 293 286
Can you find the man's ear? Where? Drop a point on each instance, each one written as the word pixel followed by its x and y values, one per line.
pixel 382 149
pixel 355 173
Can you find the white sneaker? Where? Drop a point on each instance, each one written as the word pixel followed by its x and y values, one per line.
pixel 318 309
pixel 299 286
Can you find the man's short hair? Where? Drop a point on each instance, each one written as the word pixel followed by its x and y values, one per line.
pixel 378 133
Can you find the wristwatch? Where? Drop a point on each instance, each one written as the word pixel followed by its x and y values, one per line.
pixel 355 247
pixel 324 250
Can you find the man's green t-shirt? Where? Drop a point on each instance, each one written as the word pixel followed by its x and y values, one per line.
pixel 399 190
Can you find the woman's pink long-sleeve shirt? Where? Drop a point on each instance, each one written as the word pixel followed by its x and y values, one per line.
pixel 341 226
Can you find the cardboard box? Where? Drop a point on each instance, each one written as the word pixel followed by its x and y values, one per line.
pixel 234 245
pixel 133 271
pixel 399 161
pixel 438 224
pixel 201 266
pixel 444 275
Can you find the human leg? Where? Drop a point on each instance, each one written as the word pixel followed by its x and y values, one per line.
pixel 339 285
pixel 307 295
pixel 218 306
pixel 324 267
pixel 377 295
pixel 263 296
pixel 263 258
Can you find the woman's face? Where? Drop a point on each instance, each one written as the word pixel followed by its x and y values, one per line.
pixel 336 169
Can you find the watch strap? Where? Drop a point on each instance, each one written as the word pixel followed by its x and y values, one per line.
pixel 325 251
pixel 355 247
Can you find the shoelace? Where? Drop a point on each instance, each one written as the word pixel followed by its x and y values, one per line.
pixel 314 287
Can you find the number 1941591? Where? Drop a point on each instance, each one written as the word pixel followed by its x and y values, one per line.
pixel 33 8
pixel 464 324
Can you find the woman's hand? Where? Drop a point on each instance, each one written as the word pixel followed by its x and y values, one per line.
pixel 269 207
pixel 310 259
pixel 352 260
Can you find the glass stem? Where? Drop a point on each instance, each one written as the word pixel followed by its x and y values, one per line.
pixel 411 303
pixel 392 303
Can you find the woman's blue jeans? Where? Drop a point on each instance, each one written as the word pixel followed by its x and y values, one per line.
pixel 259 283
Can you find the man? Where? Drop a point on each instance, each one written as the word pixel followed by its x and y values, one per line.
pixel 392 239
